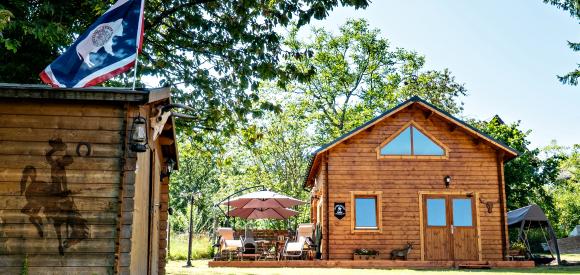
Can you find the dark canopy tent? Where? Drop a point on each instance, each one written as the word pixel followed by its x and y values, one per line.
pixel 532 216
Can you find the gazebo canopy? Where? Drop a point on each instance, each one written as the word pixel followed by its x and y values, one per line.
pixel 531 213
pixel 532 216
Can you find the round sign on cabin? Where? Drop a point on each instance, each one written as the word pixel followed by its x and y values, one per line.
pixel 339 210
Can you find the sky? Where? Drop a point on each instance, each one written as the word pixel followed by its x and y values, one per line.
pixel 507 53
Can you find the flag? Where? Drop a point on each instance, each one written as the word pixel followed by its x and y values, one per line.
pixel 109 47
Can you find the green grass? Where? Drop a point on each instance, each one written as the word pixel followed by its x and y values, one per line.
pixel 200 268
pixel 200 247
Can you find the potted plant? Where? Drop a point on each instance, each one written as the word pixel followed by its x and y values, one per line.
pixel 365 254
pixel 318 240
pixel 517 249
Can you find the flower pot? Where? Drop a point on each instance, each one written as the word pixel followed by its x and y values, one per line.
pixel 515 252
pixel 365 257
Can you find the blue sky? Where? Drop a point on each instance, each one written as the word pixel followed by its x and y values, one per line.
pixel 507 53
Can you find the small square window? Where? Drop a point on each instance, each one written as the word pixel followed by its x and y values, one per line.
pixel 366 211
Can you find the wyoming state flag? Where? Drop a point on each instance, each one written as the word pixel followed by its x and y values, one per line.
pixel 108 48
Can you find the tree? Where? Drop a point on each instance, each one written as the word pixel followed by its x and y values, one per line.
pixel 33 33
pixel 528 175
pixel 356 76
pixel 212 52
pixel 566 188
pixel 573 7
pixel 198 173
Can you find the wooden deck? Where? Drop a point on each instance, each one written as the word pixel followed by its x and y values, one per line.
pixel 370 264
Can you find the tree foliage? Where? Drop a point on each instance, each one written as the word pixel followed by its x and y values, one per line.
pixel 527 176
pixel 358 76
pixel 566 188
pixel 37 31
pixel 573 7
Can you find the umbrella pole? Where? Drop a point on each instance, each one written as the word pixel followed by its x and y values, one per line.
pixel 228 215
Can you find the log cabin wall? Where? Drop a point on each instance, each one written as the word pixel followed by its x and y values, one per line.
pixel 61 171
pixel 353 166
pixel 66 169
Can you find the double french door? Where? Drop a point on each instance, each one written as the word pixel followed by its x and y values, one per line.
pixel 450 228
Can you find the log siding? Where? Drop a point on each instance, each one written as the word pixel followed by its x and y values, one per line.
pixel 352 165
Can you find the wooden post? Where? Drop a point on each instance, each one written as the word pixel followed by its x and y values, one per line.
pixel 327 206
pixel 502 206
pixel 190 231
pixel 168 238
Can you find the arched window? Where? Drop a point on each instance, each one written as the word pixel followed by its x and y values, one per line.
pixel 411 141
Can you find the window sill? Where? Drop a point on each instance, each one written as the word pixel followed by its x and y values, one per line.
pixel 366 230
pixel 423 157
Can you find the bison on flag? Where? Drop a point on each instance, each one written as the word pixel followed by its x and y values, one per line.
pixel 100 37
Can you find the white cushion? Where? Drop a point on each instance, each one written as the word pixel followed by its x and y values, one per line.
pixel 232 244
pixel 294 247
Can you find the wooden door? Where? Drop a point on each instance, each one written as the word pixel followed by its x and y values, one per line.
pixel 464 228
pixel 450 229
pixel 437 230
pixel 154 212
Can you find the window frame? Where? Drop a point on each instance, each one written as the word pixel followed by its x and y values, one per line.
pixel 377 195
pixel 412 155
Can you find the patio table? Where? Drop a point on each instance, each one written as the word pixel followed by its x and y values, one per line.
pixel 264 248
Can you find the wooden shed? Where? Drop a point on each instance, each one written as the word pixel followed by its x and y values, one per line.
pixel 413 175
pixel 76 195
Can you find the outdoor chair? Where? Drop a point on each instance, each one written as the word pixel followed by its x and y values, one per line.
pixel 227 243
pixel 296 249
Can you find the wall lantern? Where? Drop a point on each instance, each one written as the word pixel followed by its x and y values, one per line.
pixel 447 181
pixel 139 135
pixel 169 164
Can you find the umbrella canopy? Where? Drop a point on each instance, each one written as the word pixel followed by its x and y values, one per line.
pixel 262 213
pixel 263 199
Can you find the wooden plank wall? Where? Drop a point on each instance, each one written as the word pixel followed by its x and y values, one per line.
pixel 353 166
pixel 163 224
pixel 90 208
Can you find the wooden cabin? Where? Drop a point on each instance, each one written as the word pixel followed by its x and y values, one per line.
pixel 84 179
pixel 413 175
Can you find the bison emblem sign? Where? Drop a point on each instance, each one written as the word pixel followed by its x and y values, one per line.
pixel 100 37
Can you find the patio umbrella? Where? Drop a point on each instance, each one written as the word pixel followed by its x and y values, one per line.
pixel 262 213
pixel 263 199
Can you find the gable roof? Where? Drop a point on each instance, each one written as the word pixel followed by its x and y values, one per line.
pixel 510 152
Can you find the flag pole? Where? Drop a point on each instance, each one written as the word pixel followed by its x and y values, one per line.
pixel 135 70
pixel 139 42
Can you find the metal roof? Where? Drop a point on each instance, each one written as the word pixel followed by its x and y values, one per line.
pixel 111 94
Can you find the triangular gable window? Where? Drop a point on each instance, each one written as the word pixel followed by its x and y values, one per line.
pixel 411 142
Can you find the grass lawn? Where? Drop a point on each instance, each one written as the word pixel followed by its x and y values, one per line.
pixel 200 248
pixel 200 267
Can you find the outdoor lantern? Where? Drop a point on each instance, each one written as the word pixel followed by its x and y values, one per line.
pixel 170 164
pixel 168 169
pixel 139 135
pixel 447 181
